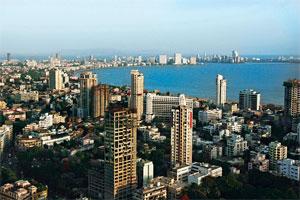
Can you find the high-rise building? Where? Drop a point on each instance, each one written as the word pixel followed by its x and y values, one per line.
pixel 100 100
pixel 87 81
pixel 181 135
pixel 249 99
pixel 235 56
pixel 145 172
pixel 193 60
pixel 277 151
pixel 56 79
pixel 177 59
pixel 221 85
pixel 8 57
pixel 137 93
pixel 160 107
pixel 120 154
pixel 292 98
pixel 163 59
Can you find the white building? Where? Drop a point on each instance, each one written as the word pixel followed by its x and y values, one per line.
pixel 145 172
pixel 289 168
pixel 205 116
pixel 163 59
pixel 236 145
pixel 46 121
pixel 221 85
pixel 202 170
pixel 177 59
pixel 160 106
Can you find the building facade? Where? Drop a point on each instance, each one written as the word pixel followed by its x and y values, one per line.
pixel 160 107
pixel 277 151
pixel 100 95
pixel 249 99
pixel 181 135
pixel 137 93
pixel 120 154
pixel 55 79
pixel 292 98
pixel 87 81
pixel 221 85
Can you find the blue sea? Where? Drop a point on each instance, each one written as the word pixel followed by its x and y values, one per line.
pixel 199 80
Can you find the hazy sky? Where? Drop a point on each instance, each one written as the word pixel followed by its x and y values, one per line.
pixel 188 26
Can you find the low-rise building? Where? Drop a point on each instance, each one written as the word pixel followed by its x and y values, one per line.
pixel 259 162
pixel 151 192
pixel 23 190
pixel 289 168
pixel 236 145
pixel 205 116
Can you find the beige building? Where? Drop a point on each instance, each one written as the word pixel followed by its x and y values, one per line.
pixel 177 59
pixel 181 135
pixel 137 93
pixel 56 79
pixel 120 154
pixel 277 152
pixel 221 85
pixel 151 192
pixel 23 190
pixel 100 100
pixel 2 105
pixel 87 81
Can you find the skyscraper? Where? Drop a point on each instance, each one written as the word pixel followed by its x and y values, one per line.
pixel 137 93
pixel 181 135
pixel 249 99
pixel 100 95
pixel 292 98
pixel 163 59
pixel 56 79
pixel 87 81
pixel 177 59
pixel 220 90
pixel 8 57
pixel 120 154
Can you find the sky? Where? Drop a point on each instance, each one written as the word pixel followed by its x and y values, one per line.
pixel 161 26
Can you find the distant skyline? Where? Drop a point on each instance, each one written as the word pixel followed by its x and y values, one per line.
pixel 163 26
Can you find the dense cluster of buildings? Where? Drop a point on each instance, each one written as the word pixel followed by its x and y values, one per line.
pixel 57 108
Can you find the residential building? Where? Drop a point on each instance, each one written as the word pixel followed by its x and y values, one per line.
pixel 23 190
pixel 100 100
pixel 259 162
pixel 137 93
pixel 163 59
pixel 205 116
pixel 145 172
pixel 181 135
pixel 236 145
pixel 159 107
pixel 277 151
pixel 213 151
pixel 151 192
pixel 87 81
pixel 177 59
pixel 289 168
pixel 96 180
pixel 46 121
pixel 221 85
pixel 193 60
pixel 249 99
pixel 292 98
pixel 120 154
pixel 56 79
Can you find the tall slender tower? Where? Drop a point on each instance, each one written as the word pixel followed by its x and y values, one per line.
pixel 87 81
pixel 56 79
pixel 137 93
pixel 100 100
pixel 220 90
pixel 292 98
pixel 120 154
pixel 181 135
